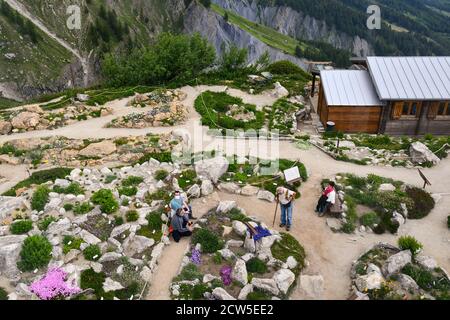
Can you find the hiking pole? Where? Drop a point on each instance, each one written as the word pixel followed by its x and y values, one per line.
pixel 275 215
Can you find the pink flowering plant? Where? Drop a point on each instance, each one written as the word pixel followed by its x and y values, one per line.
pixel 225 274
pixel 53 286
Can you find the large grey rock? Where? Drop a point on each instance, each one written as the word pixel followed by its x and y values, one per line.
pixel 111 285
pixel 268 285
pixel 239 272
pixel 426 262
pixel 9 204
pixel 59 226
pixel 284 279
pixel 407 282
pixel 312 286
pixel 266 195
pixel 110 256
pixel 230 187
pixel 369 281
pixel 137 245
pixel 226 206
pixel 396 262
pixel 386 187
pixel 212 169
pixel 221 294
pixel 194 191
pixel 227 254
pixel 5 127
pixel 89 237
pixel 420 154
pixel 249 191
pixel 240 228
pixel 99 149
pixel 10 247
pixel 279 91
pixel 25 120
pixel 117 231
pixel 207 187
pixel 245 291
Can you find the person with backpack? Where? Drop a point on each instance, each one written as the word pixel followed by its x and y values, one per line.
pixel 181 226
pixel 286 199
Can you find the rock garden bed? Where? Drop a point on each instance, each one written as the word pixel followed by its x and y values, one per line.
pixel 377 204
pixel 388 272
pixel 225 263
pixel 36 118
pixel 385 150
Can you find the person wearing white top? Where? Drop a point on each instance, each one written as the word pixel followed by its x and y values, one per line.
pixel 331 199
pixel 286 199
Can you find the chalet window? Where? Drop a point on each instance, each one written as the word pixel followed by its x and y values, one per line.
pixel 443 109
pixel 406 110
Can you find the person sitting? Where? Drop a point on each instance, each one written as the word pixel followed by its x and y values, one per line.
pixel 331 199
pixel 179 202
pixel 323 198
pixel 181 225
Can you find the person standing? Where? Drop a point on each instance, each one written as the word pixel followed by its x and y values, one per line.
pixel 286 199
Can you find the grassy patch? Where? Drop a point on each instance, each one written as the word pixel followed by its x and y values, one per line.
pixel 21 227
pixel 289 246
pixel 70 243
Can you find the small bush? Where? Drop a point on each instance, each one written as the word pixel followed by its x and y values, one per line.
pixel 118 220
pixel 21 227
pixel 161 175
pixel 73 188
pixel 132 215
pixel 190 272
pixel 289 246
pixel 423 203
pixel 44 223
pixel 3 294
pixel 217 258
pixel 128 191
pixel 410 243
pixel 258 295
pixel 68 207
pixel 92 253
pixel 132 181
pixel 284 67
pixel 154 221
pixel 256 265
pixel 209 241
pixel 370 219
pixel 105 199
pixel 348 227
pixel 89 279
pixel 40 198
pixel 36 252
pixel 82 208
pixel 70 243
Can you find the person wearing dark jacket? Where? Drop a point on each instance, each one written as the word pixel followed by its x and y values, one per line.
pixel 181 225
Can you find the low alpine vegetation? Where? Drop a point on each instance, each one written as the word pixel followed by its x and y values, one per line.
pixel 105 199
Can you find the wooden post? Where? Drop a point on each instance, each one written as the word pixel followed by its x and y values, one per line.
pixel 425 180
pixel 313 86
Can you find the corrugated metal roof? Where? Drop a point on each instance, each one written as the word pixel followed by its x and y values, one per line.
pixel 411 78
pixel 349 88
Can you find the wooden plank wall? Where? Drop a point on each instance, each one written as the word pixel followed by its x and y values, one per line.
pixel 355 119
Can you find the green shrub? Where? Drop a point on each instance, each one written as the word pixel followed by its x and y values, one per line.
pixel 410 243
pixel 110 179
pixel 423 203
pixel 73 188
pixel 348 227
pixel 154 220
pixel 190 272
pixel 217 258
pixel 284 67
pixel 21 227
pixel 128 191
pixel 105 199
pixel 125 202
pixel 132 181
pixel 70 243
pixel 121 141
pixel 89 279
pixel 132 215
pixel 68 207
pixel 370 219
pixel 82 208
pixel 209 241
pixel 118 221
pixel 258 295
pixel 39 177
pixel 161 175
pixel 196 292
pixel 256 265
pixel 435 282
pixel 3 294
pixel 36 253
pixel 44 223
pixel 289 246
pixel 40 198
pixel 92 253
pixel 159 156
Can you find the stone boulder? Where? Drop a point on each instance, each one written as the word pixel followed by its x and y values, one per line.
pixel 221 294
pixel 239 272
pixel 207 187
pixel 226 206
pixel 312 286
pixel 111 285
pixel 25 120
pixel 420 154
pixel 230 187
pixel 137 245
pixel 370 281
pixel 386 187
pixel 212 169
pixel 407 282
pixel 284 279
pixel 396 262
pixel 240 228
pixel 266 195
pixel 267 285
pixel 249 191
pixel 10 247
pixel 5 127
pixel 245 291
pixel 280 91
pixel 426 262
pixel 99 149
pixel 194 191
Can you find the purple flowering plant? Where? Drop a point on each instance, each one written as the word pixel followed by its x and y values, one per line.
pixel 196 257
pixel 225 274
pixel 53 286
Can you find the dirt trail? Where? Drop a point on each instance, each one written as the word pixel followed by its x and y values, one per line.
pixel 20 8
pixel 173 254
